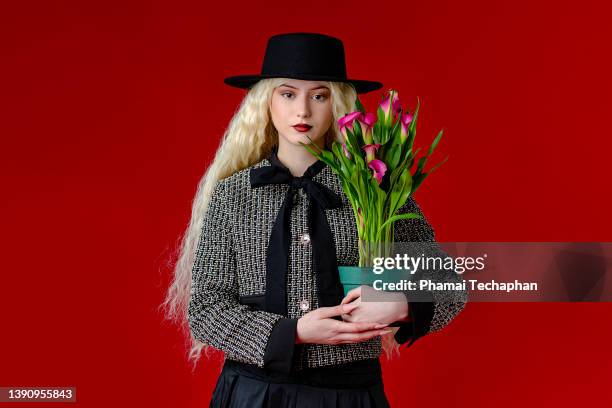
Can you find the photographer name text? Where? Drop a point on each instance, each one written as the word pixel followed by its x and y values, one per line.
pixel 473 284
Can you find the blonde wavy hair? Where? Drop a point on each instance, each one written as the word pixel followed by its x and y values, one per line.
pixel 248 139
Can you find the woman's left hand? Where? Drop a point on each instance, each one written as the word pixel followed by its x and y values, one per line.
pixel 384 308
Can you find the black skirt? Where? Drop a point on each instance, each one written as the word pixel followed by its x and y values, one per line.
pixel 356 385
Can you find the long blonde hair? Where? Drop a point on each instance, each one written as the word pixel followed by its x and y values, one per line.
pixel 248 139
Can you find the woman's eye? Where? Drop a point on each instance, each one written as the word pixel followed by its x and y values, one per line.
pixel 317 97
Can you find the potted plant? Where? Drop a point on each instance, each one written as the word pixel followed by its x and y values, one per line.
pixel 379 171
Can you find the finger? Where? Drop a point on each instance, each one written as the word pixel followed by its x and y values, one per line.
pixel 356 337
pixel 351 295
pixel 347 317
pixel 331 311
pixel 356 327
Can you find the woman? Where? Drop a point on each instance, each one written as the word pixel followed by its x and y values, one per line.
pixel 257 277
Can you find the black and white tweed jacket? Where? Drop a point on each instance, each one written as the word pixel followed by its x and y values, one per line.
pixel 229 277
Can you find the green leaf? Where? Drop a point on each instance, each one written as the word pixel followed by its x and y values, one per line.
pixel 325 156
pixel 398 189
pixel 376 132
pixel 417 179
pixel 405 192
pixel 349 190
pixel 312 151
pixel 397 218
pixel 395 131
pixel 423 160
pixel 435 142
pixel 438 165
pixel 352 144
pixel 413 157
pixel 359 161
pixel 380 115
pixel 421 164
pixel 395 156
pixel 394 174
pixel 339 153
pixel 357 181
pixel 358 133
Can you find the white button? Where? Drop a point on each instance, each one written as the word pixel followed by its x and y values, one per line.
pixel 304 305
pixel 305 238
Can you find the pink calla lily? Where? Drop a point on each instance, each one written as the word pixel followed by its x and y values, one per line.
pixel 379 168
pixel 390 106
pixel 405 122
pixel 348 119
pixel 366 122
pixel 370 151
pixel 347 122
pixel 370 119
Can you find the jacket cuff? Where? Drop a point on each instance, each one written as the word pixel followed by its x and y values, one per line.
pixel 281 345
pixel 420 317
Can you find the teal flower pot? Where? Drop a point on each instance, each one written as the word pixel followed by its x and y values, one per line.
pixel 352 277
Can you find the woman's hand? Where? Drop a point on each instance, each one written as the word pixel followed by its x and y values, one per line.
pixel 381 307
pixel 318 327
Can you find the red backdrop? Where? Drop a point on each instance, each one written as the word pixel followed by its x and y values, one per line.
pixel 112 110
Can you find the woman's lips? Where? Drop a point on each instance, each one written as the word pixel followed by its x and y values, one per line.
pixel 302 128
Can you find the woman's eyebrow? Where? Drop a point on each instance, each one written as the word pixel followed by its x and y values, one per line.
pixel 312 89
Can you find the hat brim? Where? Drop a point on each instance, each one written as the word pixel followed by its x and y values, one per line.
pixel 246 81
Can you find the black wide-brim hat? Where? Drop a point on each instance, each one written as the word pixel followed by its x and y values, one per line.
pixel 308 56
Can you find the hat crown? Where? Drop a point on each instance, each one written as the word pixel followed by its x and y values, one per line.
pixel 304 53
pixel 305 56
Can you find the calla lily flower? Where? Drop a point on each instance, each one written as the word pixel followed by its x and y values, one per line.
pixel 371 150
pixel 379 168
pixel 390 106
pixel 405 122
pixel 366 122
pixel 347 121
pixel 369 119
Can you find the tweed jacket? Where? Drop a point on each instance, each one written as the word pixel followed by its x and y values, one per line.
pixel 229 277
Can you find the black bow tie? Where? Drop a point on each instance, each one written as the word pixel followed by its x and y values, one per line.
pixel 329 288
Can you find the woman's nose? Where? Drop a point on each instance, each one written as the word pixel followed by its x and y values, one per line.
pixel 304 107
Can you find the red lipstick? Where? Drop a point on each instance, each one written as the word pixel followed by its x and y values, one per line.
pixel 302 127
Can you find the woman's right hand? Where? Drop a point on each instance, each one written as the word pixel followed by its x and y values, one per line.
pixel 318 327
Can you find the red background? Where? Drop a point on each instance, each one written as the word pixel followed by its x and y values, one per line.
pixel 112 110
